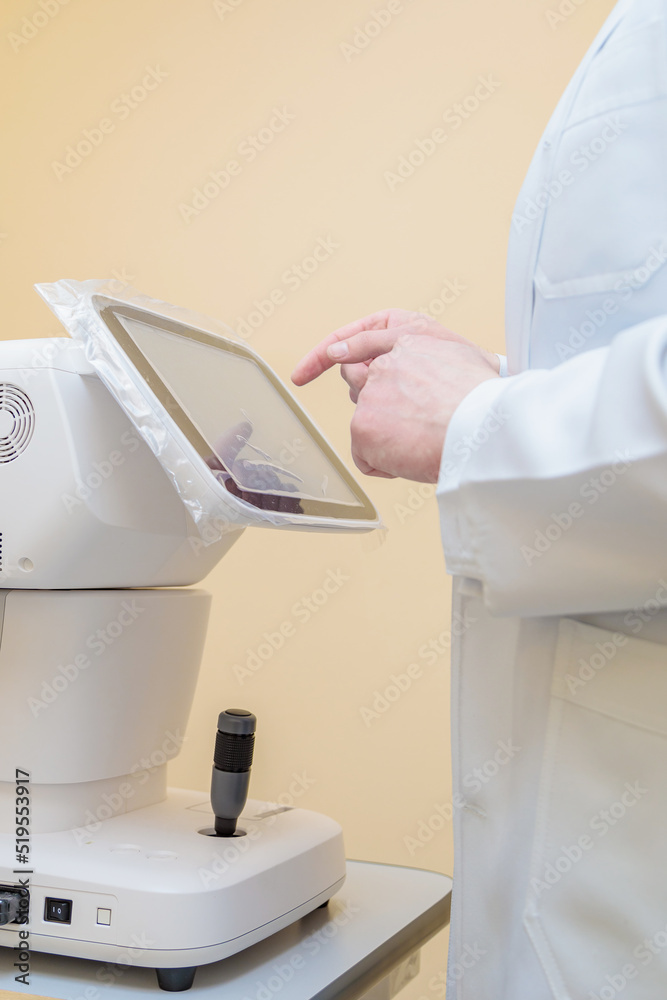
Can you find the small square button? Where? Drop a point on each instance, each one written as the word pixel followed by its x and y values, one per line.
pixel 103 916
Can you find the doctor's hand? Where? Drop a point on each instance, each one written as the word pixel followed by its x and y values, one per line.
pixel 407 374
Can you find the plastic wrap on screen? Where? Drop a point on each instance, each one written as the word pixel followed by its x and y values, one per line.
pixel 214 510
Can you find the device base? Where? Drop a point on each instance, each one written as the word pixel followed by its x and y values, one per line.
pixel 148 888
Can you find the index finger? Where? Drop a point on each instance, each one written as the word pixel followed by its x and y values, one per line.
pixel 318 361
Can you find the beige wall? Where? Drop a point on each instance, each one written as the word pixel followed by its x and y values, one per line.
pixel 218 73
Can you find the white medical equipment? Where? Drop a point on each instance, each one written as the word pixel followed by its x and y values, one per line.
pixel 131 459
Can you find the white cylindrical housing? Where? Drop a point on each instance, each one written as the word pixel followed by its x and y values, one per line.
pixel 96 685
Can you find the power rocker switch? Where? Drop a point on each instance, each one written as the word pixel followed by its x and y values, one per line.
pixel 58 910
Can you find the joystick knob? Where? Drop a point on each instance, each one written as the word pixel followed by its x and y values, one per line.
pixel 232 760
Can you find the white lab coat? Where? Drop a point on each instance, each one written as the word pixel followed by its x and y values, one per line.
pixel 553 498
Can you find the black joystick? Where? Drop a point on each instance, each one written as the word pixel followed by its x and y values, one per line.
pixel 234 745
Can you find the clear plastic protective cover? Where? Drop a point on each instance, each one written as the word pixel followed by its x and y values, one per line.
pixel 232 439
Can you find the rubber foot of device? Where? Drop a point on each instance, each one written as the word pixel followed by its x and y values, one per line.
pixel 176 980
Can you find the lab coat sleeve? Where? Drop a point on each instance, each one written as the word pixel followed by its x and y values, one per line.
pixel 553 483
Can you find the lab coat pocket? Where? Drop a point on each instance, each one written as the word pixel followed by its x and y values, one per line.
pixel 596 907
pixel 605 220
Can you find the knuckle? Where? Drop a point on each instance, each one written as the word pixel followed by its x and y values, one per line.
pixel 359 342
pixel 379 364
pixel 358 425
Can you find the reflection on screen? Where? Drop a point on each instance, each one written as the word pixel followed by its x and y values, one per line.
pixel 258 444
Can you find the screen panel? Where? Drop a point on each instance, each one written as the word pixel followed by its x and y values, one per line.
pixel 242 421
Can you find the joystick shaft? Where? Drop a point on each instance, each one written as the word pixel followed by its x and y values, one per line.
pixel 232 760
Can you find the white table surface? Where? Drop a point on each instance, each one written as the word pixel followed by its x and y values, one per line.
pixel 382 914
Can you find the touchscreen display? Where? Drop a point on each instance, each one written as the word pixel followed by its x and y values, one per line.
pixel 243 422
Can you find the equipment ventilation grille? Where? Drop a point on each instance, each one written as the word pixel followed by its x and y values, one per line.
pixel 17 422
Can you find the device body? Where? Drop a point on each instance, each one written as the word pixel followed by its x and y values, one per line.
pixel 98 667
